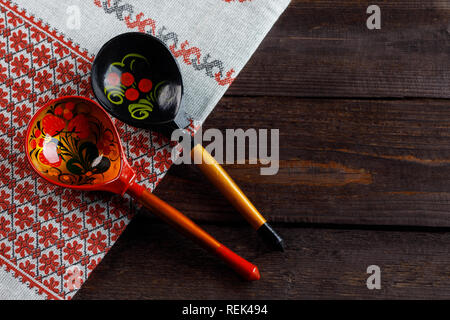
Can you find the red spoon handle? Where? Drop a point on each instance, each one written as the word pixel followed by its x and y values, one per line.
pixel 185 225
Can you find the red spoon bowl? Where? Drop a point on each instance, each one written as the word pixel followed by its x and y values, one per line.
pixel 72 142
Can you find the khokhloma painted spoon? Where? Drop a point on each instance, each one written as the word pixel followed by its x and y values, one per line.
pixel 72 142
pixel 137 80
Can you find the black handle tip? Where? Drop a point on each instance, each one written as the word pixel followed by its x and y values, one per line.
pixel 271 237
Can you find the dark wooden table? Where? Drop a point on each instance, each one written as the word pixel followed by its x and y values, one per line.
pixel 364 119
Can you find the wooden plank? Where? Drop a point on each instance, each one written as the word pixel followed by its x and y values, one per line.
pixel 322 48
pixel 383 162
pixel 151 261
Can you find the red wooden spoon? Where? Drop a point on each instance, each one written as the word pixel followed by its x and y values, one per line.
pixel 72 142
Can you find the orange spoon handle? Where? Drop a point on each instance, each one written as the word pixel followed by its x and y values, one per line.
pixel 222 181
pixel 186 226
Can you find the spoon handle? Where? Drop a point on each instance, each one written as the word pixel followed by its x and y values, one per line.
pixel 220 178
pixel 185 225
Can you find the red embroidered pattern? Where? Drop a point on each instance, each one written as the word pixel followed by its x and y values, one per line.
pixel 190 55
pixel 46 231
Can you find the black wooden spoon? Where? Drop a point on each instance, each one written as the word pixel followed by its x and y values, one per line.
pixel 137 80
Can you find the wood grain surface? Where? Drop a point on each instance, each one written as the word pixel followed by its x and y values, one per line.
pixel 364 178
pixel 322 48
pixel 151 261
pixel 383 162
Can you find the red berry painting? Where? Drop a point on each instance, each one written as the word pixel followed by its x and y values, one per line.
pixel 72 146
pixel 124 85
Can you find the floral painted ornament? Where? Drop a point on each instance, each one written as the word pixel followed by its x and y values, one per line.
pixel 126 84
pixel 72 146
pixel 137 80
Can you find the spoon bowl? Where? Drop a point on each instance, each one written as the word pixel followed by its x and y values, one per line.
pixel 72 142
pixel 137 80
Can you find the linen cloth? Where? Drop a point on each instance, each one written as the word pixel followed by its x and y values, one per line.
pixel 50 238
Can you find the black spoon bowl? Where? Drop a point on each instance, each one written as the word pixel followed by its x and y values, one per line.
pixel 138 81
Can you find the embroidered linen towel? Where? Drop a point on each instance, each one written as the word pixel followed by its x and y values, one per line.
pixel 50 238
